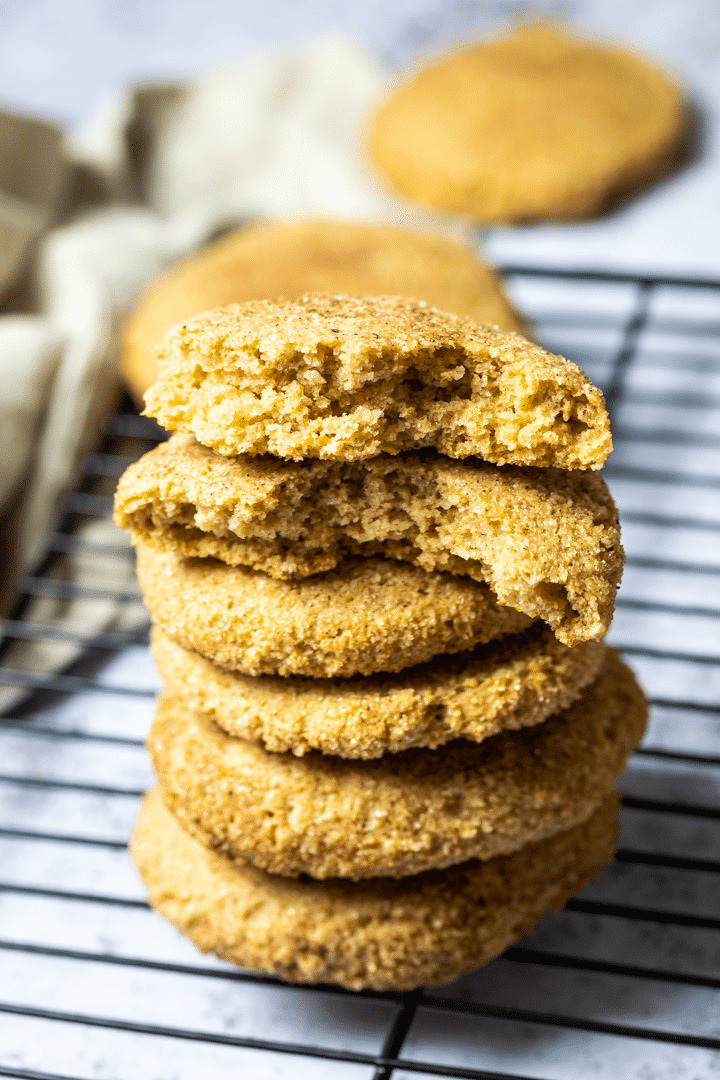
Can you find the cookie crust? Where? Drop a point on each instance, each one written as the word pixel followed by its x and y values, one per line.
pixel 380 934
pixel 291 258
pixel 366 616
pixel 546 541
pixel 350 378
pixel 408 812
pixel 516 682
pixel 535 125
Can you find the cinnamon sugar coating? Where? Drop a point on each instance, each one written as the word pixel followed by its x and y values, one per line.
pixel 515 682
pixel 404 813
pixel 381 934
pixel 368 615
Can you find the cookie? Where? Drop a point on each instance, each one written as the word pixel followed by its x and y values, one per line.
pixel 407 812
pixel 291 258
pixel 376 935
pixel 546 541
pixel 368 615
pixel 535 125
pixel 513 683
pixel 342 378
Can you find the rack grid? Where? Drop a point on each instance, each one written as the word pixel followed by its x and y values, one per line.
pixel 624 982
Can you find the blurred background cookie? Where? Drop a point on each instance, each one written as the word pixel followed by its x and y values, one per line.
pixel 289 259
pixel 534 125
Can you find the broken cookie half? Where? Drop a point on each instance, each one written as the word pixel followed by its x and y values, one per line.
pixel 346 378
pixel 547 541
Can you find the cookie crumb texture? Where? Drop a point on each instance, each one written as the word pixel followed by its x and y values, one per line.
pixel 381 934
pixel 369 615
pixel 545 540
pixel 336 377
pixel 535 125
pixel 408 812
pixel 516 682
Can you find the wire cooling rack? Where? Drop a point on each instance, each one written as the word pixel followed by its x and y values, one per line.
pixel 625 982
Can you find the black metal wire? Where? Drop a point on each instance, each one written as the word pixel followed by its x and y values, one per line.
pixel 110 462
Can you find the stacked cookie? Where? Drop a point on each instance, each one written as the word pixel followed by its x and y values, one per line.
pixel 380 567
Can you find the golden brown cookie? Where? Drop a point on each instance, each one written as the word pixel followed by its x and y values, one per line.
pixel 531 126
pixel 291 258
pixel 335 377
pixel 381 934
pixel 545 540
pixel 513 683
pixel 368 615
pixel 407 812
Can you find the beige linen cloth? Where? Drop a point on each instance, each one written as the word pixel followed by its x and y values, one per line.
pixel 86 221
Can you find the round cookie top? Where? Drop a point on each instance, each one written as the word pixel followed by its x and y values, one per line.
pixel 349 378
pixel 404 813
pixel 382 934
pixel 292 258
pixel 516 682
pixel 368 615
pixel 535 125
pixel 547 541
